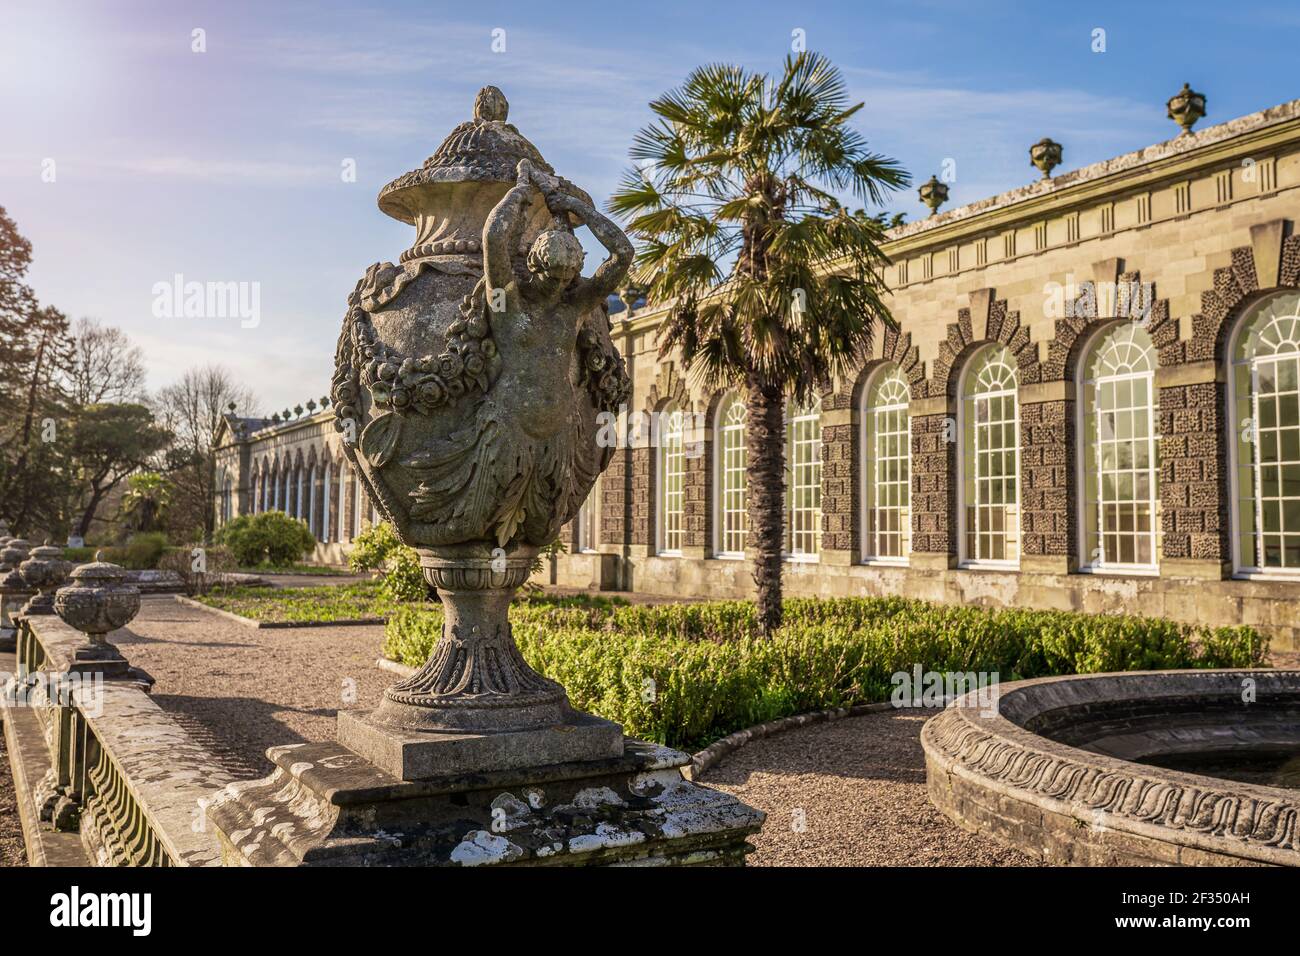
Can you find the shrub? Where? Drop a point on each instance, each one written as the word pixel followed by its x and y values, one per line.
pixel 270 539
pixel 379 549
pixel 198 577
pixel 142 551
pixel 687 674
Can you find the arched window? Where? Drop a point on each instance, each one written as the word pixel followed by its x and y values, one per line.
pixel 325 503
pixel 266 487
pixel 990 459
pixel 275 489
pixel 343 501
pixel 1118 460
pixel 586 521
pixel 299 499
pixel 803 503
pixel 671 474
pixel 886 467
pixel 1265 422
pixel 287 489
pixel 356 502
pixel 311 502
pixel 732 506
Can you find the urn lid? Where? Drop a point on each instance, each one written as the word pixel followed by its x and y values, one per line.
pixel 46 552
pixel 484 149
pixel 97 573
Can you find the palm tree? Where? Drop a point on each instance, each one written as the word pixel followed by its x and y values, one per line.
pixel 772 286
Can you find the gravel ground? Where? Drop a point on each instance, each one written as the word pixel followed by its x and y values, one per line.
pixel 240 690
pixel 850 792
pixel 12 849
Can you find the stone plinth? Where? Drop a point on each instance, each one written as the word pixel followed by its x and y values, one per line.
pixel 327 806
pixel 421 754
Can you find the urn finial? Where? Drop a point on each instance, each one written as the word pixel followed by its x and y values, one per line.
pixel 933 193
pixel 1045 155
pixel 1185 107
pixel 43 571
pixel 97 600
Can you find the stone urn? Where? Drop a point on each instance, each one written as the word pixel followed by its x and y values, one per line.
pixel 43 572
pixel 933 193
pixel 13 589
pixel 470 380
pixel 1045 155
pixel 1185 107
pixel 97 600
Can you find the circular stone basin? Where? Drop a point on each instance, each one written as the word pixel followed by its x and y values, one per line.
pixel 1139 768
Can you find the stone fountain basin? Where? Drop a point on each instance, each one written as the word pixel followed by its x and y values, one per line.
pixel 1066 768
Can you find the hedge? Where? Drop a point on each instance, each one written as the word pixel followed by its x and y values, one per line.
pixel 687 674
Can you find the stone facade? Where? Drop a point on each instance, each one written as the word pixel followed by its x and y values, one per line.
pixel 1200 226
pixel 265 465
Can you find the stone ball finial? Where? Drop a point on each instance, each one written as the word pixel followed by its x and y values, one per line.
pixel 490 105
pixel 97 600
pixel 933 193
pixel 1045 155
pixel 1185 107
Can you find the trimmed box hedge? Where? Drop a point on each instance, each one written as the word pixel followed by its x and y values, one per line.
pixel 687 674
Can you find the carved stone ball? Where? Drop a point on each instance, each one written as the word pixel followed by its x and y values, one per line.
pixel 97 600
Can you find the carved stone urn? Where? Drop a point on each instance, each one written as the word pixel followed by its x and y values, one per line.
pixel 43 572
pixel 470 378
pixel 1185 107
pixel 1045 155
pixel 14 591
pixel 468 382
pixel 933 193
pixel 97 601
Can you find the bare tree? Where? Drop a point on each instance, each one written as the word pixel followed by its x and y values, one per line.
pixel 104 366
pixel 193 409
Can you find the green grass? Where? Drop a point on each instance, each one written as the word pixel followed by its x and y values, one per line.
pixel 688 674
pixel 341 602
pixel 312 569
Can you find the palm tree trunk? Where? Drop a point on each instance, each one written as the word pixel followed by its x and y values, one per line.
pixel 765 475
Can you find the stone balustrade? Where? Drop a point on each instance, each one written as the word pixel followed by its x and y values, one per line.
pixel 105 776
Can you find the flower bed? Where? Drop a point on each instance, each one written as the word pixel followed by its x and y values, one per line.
pixel 687 674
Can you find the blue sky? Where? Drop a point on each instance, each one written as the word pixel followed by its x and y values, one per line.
pixel 225 165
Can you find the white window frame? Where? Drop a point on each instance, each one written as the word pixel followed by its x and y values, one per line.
pixel 356 503
pixel 342 524
pixel 312 524
pixel 1089 454
pixel 811 416
pixel 326 494
pixel 965 560
pixel 1238 420
pixel 726 429
pixel 670 464
pixel 869 481
pixel 585 522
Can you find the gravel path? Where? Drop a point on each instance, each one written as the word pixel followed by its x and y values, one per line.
pixel 850 792
pixel 240 690
pixel 13 851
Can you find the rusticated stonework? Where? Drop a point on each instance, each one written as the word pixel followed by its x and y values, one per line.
pixel 934 491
